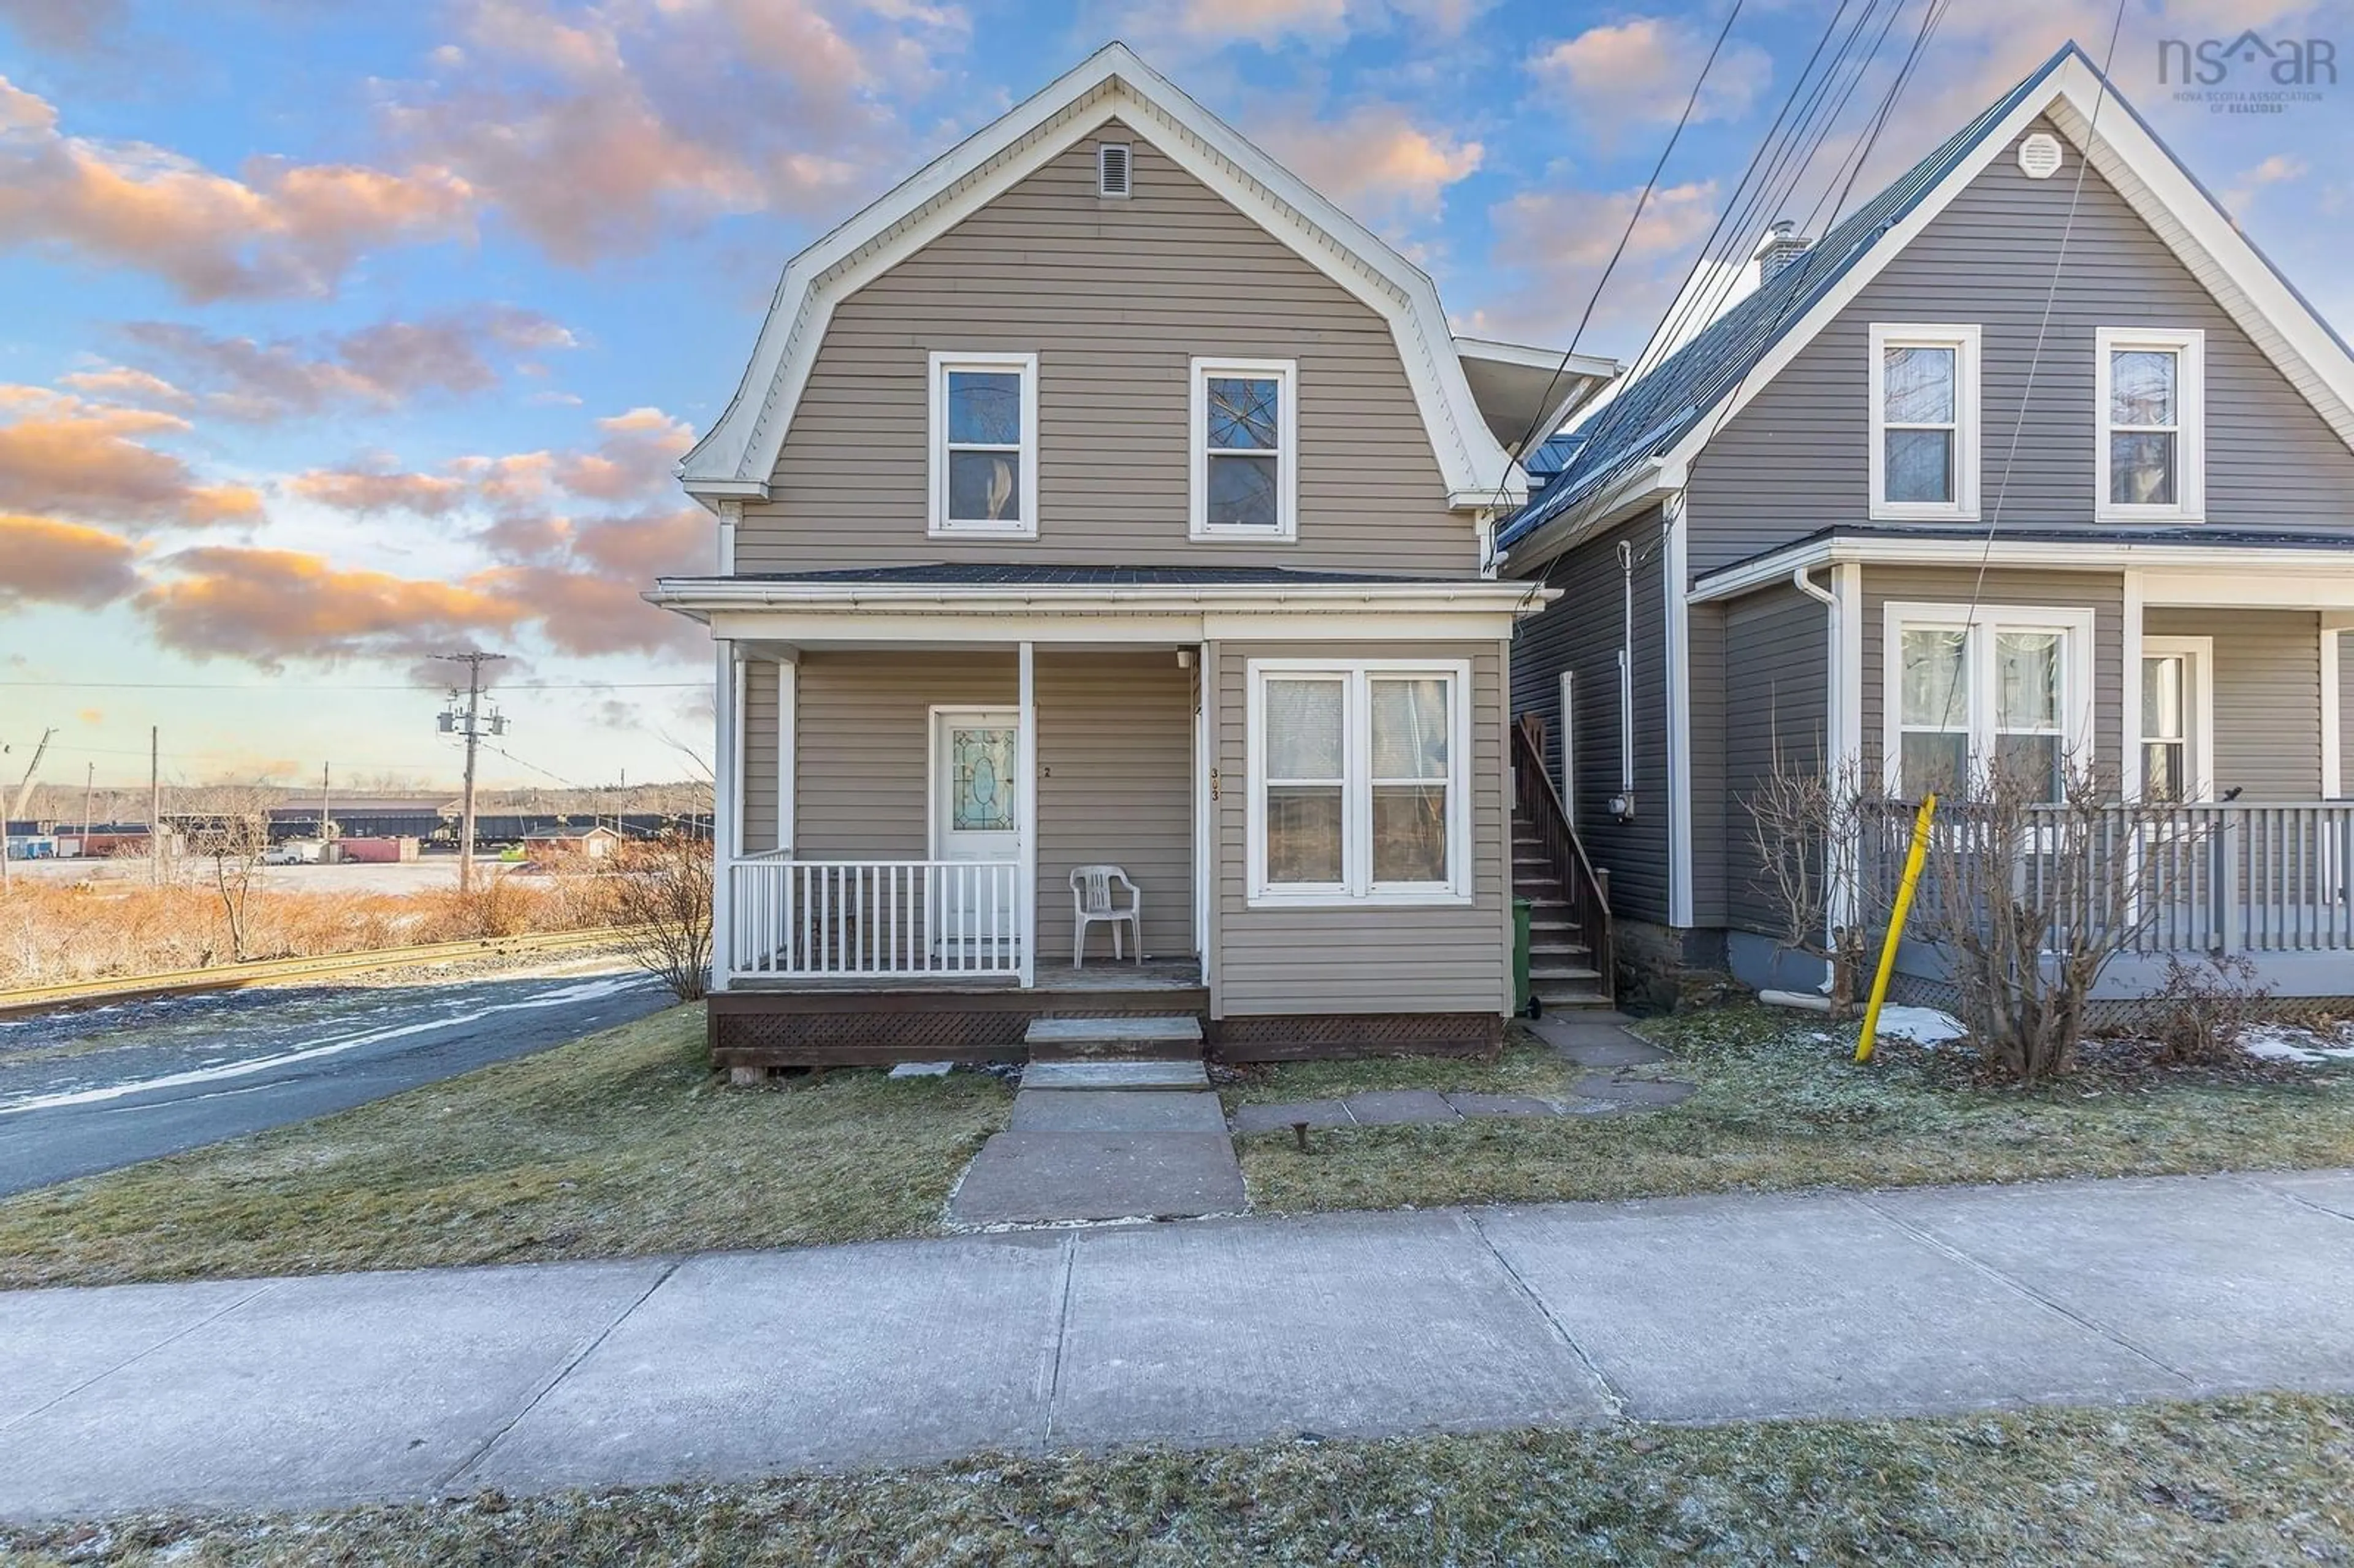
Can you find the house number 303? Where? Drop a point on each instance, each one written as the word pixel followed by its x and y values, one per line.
pixel 1213 783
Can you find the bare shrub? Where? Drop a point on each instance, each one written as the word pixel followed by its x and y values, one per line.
pixel 228 841
pixel 2203 1005
pixel 662 892
pixel 1806 824
pixel 2029 899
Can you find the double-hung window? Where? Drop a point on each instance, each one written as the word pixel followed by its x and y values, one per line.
pixel 2150 450
pixel 1925 421
pixel 1243 436
pixel 984 454
pixel 1972 694
pixel 1358 783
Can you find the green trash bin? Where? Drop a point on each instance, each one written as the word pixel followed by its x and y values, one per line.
pixel 1524 1001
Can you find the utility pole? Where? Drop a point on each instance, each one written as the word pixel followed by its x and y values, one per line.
pixel 88 788
pixel 322 805
pixel 154 808
pixel 470 723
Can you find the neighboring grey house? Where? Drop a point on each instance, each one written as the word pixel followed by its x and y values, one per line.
pixel 1104 495
pixel 2035 428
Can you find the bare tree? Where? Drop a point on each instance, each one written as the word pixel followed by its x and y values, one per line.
pixel 663 896
pixel 228 832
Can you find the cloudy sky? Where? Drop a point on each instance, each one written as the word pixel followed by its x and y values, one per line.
pixel 340 334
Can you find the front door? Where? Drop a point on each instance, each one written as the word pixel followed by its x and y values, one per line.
pixel 976 818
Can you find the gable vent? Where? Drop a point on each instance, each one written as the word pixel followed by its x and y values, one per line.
pixel 1112 168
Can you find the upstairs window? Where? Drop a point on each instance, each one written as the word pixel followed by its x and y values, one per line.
pixel 1243 442
pixel 2150 452
pixel 1925 421
pixel 985 444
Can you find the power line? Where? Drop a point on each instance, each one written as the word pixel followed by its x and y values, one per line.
pixel 1642 200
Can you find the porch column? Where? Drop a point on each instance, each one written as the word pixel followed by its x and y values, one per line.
pixel 727 804
pixel 2130 782
pixel 1026 804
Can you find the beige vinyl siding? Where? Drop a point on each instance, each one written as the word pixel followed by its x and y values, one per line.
pixel 1115 298
pixel 1795 458
pixel 760 677
pixel 1115 748
pixel 2345 714
pixel 2267 697
pixel 1116 752
pixel 863 756
pixel 1774 674
pixel 1305 961
pixel 2102 593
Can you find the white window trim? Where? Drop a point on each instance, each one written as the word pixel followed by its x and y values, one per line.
pixel 2201 652
pixel 1357 888
pixel 1569 744
pixel 1286 465
pixel 940 526
pixel 1962 338
pixel 2190 423
pixel 2077 729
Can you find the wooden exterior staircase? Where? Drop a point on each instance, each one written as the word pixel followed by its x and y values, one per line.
pixel 1571 964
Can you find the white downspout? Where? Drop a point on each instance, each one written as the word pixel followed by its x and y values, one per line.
pixel 1623 806
pixel 1840 905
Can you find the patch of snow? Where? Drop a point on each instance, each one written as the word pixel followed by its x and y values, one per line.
pixel 2284 1042
pixel 1921 1026
pixel 922 1069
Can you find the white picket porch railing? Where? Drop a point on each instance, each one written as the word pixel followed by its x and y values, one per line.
pixel 888 920
pixel 2221 877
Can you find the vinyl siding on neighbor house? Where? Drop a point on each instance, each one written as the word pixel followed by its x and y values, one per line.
pixel 2267 717
pixel 1582 631
pixel 1114 751
pixel 1776 677
pixel 1373 960
pixel 1795 460
pixel 1115 298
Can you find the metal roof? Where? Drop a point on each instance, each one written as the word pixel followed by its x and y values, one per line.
pixel 1654 412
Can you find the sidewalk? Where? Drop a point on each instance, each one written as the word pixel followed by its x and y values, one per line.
pixel 349 1388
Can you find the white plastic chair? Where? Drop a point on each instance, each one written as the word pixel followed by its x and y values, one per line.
pixel 1091 901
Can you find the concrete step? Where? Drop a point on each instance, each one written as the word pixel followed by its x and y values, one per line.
pixel 1099 1074
pixel 1174 1036
pixel 1570 999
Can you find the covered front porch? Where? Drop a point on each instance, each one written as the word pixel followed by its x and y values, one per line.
pixel 918 816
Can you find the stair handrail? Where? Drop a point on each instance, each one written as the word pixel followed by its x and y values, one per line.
pixel 1588 895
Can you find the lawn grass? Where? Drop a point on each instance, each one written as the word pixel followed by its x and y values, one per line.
pixel 1778 1106
pixel 2250 1480
pixel 623 1142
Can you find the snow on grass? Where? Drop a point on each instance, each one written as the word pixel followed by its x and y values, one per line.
pixel 1921 1026
pixel 2286 1042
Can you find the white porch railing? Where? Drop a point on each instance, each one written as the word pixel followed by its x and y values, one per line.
pixel 2227 877
pixel 894 919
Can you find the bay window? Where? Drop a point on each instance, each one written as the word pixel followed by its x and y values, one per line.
pixel 2150 452
pixel 1970 694
pixel 1358 782
pixel 1925 421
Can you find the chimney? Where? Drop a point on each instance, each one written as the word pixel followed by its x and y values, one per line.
pixel 1782 247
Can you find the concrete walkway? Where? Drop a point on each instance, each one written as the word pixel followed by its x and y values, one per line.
pixel 348 1388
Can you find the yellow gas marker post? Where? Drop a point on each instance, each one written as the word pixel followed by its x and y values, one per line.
pixel 1912 859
